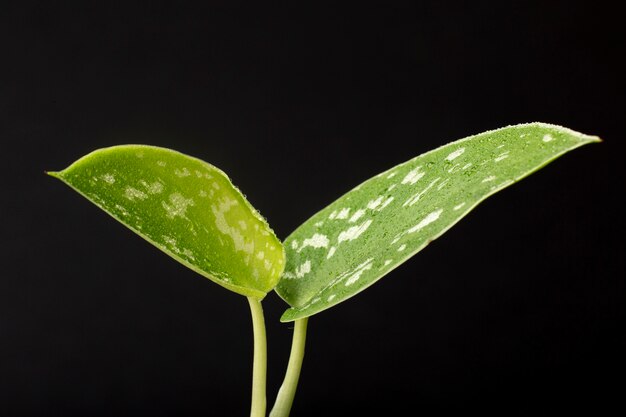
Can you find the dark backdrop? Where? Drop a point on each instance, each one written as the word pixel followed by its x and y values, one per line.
pixel 519 310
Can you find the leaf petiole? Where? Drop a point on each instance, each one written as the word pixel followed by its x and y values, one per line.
pixel 287 392
pixel 259 368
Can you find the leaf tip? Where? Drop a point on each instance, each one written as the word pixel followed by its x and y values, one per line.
pixel 54 174
pixel 590 138
pixel 581 136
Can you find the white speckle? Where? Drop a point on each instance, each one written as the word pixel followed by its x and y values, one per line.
pixel 443 184
pixel 242 225
pixel 177 206
pixel 215 185
pixel 122 210
pixel 161 163
pixel 387 262
pixel 453 168
pixel 202 193
pixel 303 269
pixel 402 247
pixel 319 224
pixel 415 198
pixel 294 244
pixel 426 221
pixel 393 174
pixel 154 188
pixel 413 176
pixel 358 271
pixel 331 298
pixel 139 154
pixel 357 215
pixel 354 232
pixel 172 242
pixel 331 252
pixel 108 178
pixel 198 173
pixel 239 241
pixel 502 156
pixel 316 241
pixel 343 214
pixel 391 187
pixel 489 178
pixel 499 146
pixel 182 172
pixel 548 138
pixel 466 166
pixel 188 254
pixel 455 154
pixel 333 215
pixel 133 193
pixel 385 203
pixel 458 206
pixel 375 203
pixel 267 264
pixel 260 255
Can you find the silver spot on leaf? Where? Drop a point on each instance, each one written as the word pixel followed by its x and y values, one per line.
pixel 354 232
pixel 452 156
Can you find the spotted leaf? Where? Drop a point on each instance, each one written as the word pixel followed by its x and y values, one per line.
pixel 378 225
pixel 187 208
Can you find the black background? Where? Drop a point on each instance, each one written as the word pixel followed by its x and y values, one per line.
pixel 519 310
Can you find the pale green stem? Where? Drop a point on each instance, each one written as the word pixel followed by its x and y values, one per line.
pixel 287 392
pixel 259 367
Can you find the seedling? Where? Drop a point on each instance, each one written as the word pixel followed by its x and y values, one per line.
pixel 190 210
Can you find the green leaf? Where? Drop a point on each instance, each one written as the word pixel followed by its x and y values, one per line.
pixel 187 208
pixel 375 227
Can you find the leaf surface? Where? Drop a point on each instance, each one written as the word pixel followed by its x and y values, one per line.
pixel 378 225
pixel 187 208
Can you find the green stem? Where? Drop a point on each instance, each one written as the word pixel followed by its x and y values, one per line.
pixel 287 392
pixel 259 368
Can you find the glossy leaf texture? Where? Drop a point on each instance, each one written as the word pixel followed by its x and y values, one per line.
pixel 378 225
pixel 187 208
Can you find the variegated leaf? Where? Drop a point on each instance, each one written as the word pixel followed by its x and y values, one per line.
pixel 377 226
pixel 187 208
